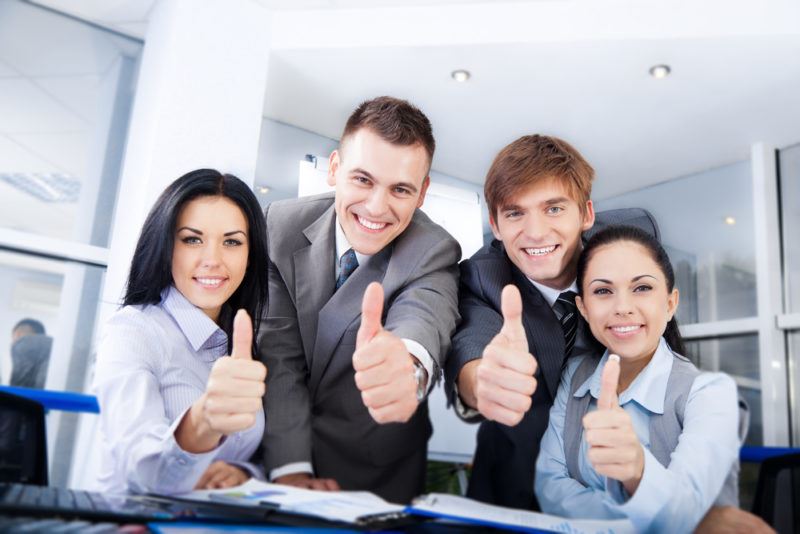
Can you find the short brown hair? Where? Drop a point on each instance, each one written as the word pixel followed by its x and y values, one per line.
pixel 395 121
pixel 532 158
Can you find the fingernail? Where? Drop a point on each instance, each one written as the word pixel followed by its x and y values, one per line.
pixel 613 357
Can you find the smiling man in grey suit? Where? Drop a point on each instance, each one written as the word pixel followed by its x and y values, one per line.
pixel 345 401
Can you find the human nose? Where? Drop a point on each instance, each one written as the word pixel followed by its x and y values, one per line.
pixel 376 202
pixel 211 256
pixel 535 227
pixel 622 304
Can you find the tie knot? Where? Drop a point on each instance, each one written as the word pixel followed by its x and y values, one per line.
pixel 347 264
pixel 567 300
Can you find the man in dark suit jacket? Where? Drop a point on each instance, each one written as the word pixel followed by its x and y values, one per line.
pixel 337 377
pixel 537 191
pixel 508 353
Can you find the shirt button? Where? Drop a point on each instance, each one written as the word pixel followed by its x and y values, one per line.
pixel 182 461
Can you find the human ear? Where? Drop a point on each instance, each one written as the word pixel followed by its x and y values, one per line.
pixel 493 226
pixel 588 216
pixel 333 166
pixel 425 183
pixel 581 307
pixel 672 303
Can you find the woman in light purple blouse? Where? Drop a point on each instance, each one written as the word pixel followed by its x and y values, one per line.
pixel 176 412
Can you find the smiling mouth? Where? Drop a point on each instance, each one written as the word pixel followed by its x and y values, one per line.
pixel 210 283
pixel 371 225
pixel 541 251
pixel 625 330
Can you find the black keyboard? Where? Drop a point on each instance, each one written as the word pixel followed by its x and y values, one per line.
pixel 49 501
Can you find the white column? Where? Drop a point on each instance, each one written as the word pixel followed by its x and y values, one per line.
pixel 771 341
pixel 198 103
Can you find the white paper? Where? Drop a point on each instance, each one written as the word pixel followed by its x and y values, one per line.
pixel 460 507
pixel 346 506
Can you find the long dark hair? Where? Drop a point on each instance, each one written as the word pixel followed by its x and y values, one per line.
pixel 151 267
pixel 614 234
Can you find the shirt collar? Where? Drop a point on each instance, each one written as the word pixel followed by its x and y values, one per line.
pixel 648 389
pixel 550 294
pixel 199 329
pixel 342 245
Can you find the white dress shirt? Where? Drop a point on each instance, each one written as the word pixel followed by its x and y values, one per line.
pixel 153 362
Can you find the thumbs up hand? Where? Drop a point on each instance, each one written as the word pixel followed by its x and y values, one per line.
pixel 614 447
pixel 384 370
pixel 233 395
pixel 504 376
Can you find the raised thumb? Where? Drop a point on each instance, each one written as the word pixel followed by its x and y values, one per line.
pixel 371 311
pixel 242 336
pixel 609 381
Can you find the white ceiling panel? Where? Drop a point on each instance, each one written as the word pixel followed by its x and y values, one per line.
pixel 61 47
pixel 68 152
pixel 78 93
pixel 23 212
pixel 25 108
pixel 17 158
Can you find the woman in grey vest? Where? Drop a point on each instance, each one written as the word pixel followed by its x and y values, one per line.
pixel 638 432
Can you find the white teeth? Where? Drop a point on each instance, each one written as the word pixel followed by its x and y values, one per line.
pixel 540 251
pixel 624 329
pixel 371 225
pixel 213 282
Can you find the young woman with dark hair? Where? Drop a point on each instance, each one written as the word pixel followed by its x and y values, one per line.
pixel 638 433
pixel 176 413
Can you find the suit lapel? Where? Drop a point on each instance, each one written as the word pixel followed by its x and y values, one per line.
pixel 341 310
pixel 314 270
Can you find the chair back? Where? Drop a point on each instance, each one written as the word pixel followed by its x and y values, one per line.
pixel 23 443
pixel 777 497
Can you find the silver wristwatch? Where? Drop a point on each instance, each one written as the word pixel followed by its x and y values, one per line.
pixel 419 377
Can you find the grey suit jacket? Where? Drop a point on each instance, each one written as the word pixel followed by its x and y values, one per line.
pixel 314 410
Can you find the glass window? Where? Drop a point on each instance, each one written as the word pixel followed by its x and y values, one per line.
pixel 47 312
pixel 789 164
pixel 739 357
pixel 706 221
pixel 65 94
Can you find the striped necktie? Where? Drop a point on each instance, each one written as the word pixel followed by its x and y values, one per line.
pixel 568 312
pixel 347 264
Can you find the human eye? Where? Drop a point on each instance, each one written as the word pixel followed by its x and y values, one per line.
pixel 191 240
pixel 402 190
pixel 554 210
pixel 360 179
pixel 601 291
pixel 233 242
pixel 642 288
pixel 512 214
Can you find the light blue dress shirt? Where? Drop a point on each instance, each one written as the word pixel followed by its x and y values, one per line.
pixel 153 362
pixel 668 499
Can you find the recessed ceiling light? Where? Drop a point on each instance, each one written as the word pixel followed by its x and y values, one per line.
pixel 263 189
pixel 460 75
pixel 730 220
pixel 660 71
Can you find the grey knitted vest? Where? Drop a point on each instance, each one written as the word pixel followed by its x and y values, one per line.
pixel 665 429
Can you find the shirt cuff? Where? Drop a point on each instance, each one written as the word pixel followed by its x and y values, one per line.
pixel 291 469
pixel 467 413
pixel 655 489
pixel 424 357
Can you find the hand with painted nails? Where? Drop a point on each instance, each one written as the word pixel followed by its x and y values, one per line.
pixel 233 397
pixel 614 447
pixel 504 381
pixel 384 368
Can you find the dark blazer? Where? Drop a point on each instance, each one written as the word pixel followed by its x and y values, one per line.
pixel 505 458
pixel 314 410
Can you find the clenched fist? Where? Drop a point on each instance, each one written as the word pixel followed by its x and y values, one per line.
pixel 614 447
pixel 384 368
pixel 504 381
pixel 233 396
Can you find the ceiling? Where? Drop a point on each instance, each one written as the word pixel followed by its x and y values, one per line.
pixel 572 68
